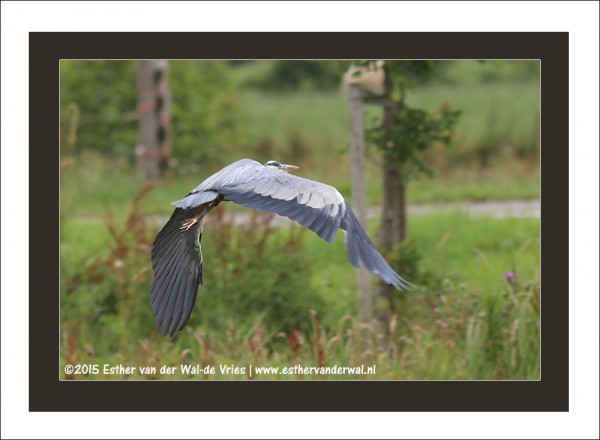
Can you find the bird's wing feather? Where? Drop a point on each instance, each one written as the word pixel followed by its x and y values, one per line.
pixel 362 252
pixel 177 266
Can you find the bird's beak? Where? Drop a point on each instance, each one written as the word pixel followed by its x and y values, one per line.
pixel 285 167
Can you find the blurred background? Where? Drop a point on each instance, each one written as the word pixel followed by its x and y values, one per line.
pixel 451 171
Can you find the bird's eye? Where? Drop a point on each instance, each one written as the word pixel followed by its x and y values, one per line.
pixel 272 163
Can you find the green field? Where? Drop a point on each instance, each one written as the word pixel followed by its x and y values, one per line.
pixel 268 287
pixel 495 154
pixel 280 296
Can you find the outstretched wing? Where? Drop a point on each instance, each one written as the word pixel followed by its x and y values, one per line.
pixel 315 205
pixel 177 266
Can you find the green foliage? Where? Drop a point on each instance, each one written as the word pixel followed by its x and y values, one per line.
pixel 477 250
pixel 305 75
pixel 488 71
pixel 255 272
pixel 499 123
pixel 414 131
pixel 276 296
pixel 105 93
pixel 205 111
pixel 406 75
pixel 204 107
pixel 479 335
pixel 411 130
pixel 93 195
pixel 254 275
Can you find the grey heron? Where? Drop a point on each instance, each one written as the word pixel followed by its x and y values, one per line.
pixel 177 255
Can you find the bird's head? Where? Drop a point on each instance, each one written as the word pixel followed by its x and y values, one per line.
pixel 280 166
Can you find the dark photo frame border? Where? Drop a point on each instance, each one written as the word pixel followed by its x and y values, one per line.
pixel 48 393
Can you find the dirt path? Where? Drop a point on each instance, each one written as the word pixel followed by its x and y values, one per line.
pixel 497 208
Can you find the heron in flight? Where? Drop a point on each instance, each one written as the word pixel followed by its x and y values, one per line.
pixel 177 255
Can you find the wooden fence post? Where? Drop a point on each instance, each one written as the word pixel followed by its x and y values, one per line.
pixel 359 205
pixel 154 144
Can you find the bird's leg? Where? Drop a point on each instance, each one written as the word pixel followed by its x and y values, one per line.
pixel 189 223
pixel 205 209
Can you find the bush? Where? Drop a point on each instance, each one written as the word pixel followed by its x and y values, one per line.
pixel 104 92
pixel 488 71
pixel 296 75
pixel 204 111
pixel 255 272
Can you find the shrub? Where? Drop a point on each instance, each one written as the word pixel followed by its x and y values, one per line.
pixel 204 110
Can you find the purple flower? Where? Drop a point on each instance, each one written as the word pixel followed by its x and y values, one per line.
pixel 509 275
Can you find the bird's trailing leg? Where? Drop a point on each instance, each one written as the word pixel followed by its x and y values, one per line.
pixel 203 210
pixel 189 223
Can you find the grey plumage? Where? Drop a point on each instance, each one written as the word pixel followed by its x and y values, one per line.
pixel 177 266
pixel 176 253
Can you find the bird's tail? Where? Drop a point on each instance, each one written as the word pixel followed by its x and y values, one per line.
pixel 177 266
pixel 362 252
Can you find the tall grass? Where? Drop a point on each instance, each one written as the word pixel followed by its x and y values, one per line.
pixel 502 115
pixel 278 296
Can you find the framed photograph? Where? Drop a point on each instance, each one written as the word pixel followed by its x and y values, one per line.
pixel 207 197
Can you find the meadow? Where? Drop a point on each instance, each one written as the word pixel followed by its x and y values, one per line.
pixel 276 296
pixel 495 154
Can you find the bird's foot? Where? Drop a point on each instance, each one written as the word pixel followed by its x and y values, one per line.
pixel 188 224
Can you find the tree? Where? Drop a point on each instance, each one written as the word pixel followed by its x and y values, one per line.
pixel 104 93
pixel 206 118
pixel 404 133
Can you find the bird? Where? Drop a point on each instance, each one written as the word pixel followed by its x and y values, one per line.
pixel 177 254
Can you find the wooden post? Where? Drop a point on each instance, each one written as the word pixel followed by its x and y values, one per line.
pixel 359 205
pixel 164 113
pixel 152 98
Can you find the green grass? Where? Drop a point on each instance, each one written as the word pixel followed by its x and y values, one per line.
pixel 478 251
pixel 276 297
pixel 502 117
pixel 494 157
pixel 97 185
pixel 463 321
pixel 511 181
pixel 506 111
